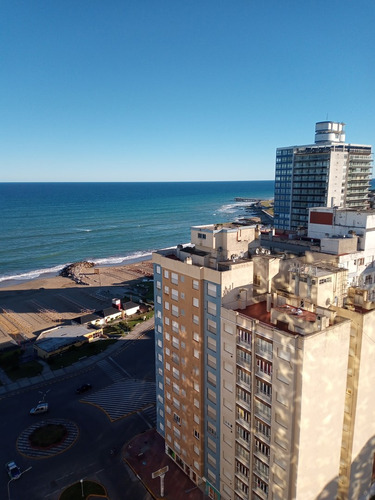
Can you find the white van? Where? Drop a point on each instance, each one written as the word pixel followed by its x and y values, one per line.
pixel 40 408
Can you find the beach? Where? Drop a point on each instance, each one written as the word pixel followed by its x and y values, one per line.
pixel 28 308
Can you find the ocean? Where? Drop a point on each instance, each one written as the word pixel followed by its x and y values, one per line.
pixel 45 226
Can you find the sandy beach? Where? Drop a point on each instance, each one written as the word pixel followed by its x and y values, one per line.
pixel 28 308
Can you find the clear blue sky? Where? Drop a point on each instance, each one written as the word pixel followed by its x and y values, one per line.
pixel 168 90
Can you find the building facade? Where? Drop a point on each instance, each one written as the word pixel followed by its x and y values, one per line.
pixel 328 173
pixel 263 367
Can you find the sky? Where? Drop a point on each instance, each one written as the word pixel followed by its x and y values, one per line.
pixel 177 90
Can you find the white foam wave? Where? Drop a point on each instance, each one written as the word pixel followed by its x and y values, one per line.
pixel 32 275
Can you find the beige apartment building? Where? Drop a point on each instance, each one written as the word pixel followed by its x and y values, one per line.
pixel 263 368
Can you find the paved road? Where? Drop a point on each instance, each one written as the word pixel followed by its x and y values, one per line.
pixel 130 368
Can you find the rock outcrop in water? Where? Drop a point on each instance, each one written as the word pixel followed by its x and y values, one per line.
pixel 75 270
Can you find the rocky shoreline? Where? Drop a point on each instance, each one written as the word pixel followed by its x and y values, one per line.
pixel 75 270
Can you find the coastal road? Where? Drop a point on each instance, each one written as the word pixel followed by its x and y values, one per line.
pixel 89 456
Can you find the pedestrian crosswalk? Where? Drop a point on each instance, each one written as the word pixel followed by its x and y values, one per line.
pixel 124 397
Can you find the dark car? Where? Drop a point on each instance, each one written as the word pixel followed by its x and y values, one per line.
pixel 83 388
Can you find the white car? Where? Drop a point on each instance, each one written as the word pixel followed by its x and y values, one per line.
pixel 13 470
pixel 39 408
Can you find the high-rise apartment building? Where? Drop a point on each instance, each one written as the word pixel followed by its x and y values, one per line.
pixel 328 173
pixel 263 367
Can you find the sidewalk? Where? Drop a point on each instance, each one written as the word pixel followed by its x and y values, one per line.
pixel 145 454
pixel 48 374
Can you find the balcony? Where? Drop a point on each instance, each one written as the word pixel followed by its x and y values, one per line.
pixel 243 442
pixel 244 362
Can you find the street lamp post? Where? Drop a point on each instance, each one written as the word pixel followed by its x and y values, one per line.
pixel 81 481
pixel 13 478
pixel 44 394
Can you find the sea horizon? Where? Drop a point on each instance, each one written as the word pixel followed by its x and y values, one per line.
pixel 48 225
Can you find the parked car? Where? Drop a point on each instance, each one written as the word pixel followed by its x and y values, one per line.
pixel 39 408
pixel 13 470
pixel 83 388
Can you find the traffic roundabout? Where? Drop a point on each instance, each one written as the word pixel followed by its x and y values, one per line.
pixel 47 438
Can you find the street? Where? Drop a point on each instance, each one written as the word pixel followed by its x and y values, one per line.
pixel 89 456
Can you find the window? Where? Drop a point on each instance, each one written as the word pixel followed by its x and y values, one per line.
pixel 211 344
pixel 174 278
pixel 211 444
pixel 175 343
pixel 196 449
pixel 211 290
pixel 262 409
pixel 196 284
pixel 244 336
pixel 175 358
pixel 211 361
pixel 175 326
pixel 166 289
pixel 176 403
pixel 174 294
pixel 242 452
pixel 243 357
pixel 258 483
pixel 166 321
pixel 174 310
pixel 196 434
pixel 241 469
pixel 241 486
pixel 166 273
pixel 166 305
pixel 211 326
pixel 211 378
pixel 262 448
pixel 211 428
pixel 201 236
pixel 195 302
pixel 195 319
pixel 243 396
pixel 243 377
pixel 158 285
pixel 264 367
pixel 242 414
pixel 242 433
pixel 263 388
pixel 211 412
pixel 196 336
pixel 264 346
pixel 211 308
pixel 175 373
pixel 211 395
pixel 158 269
pixel 196 403
pixel 196 353
pixel 262 428
pixel 196 386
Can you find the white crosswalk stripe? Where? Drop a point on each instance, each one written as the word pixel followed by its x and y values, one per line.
pixel 123 397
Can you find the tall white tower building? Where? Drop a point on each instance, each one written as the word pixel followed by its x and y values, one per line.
pixel 328 173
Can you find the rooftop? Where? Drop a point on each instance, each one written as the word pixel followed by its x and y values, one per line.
pixel 259 311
